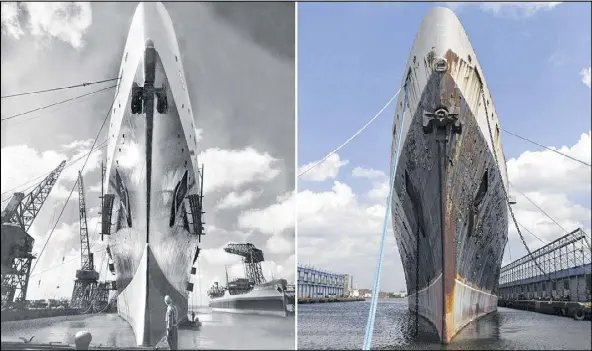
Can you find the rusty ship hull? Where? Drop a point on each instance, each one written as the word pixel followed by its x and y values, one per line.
pixel 151 170
pixel 449 208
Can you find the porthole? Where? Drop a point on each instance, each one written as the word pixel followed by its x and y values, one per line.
pixel 125 57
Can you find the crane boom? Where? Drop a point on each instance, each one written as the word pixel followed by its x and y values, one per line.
pixel 27 209
pixel 86 259
pixel 17 244
pixel 252 258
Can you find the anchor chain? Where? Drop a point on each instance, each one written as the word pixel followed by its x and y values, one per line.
pixel 506 193
pixel 417 280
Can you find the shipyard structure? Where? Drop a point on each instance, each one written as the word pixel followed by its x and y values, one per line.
pixel 252 294
pixel 314 282
pixel 450 203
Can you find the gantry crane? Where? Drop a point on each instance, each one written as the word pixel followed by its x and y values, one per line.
pixel 17 244
pixel 87 277
pixel 252 258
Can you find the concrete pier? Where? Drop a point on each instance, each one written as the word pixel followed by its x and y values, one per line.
pixel 576 310
pixel 302 300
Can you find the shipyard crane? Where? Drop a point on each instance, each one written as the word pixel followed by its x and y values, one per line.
pixel 86 277
pixel 252 258
pixel 17 244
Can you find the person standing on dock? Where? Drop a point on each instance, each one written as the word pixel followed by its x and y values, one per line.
pixel 171 323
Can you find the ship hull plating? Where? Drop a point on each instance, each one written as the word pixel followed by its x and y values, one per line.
pixel 449 208
pixel 150 169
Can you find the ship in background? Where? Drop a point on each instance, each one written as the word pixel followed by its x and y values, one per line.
pixel 449 205
pixel 152 202
pixel 252 294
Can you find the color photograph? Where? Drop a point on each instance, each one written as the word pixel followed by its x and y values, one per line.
pixel 444 170
pixel 148 175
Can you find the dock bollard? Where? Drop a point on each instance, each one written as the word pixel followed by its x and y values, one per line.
pixel 82 340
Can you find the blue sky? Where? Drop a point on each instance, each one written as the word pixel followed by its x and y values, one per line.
pixel 350 60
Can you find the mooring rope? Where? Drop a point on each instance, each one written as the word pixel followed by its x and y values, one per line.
pixel 375 290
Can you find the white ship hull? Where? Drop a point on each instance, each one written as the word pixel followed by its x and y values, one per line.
pixel 151 168
pixel 262 300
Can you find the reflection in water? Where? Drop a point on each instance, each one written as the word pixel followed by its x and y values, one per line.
pixel 218 331
pixel 342 326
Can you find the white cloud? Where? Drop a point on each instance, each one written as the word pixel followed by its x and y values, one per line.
pixel 585 74
pixel 552 182
pixel 95 188
pixel 235 199
pixel 21 163
pixel 61 20
pixel 560 174
pixel 10 20
pixel 367 173
pixel 273 219
pixel 64 21
pixel 198 135
pixel 328 169
pixel 230 169
pixel 508 9
pixel 277 244
pixel 78 144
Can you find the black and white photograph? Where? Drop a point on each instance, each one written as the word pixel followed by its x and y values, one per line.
pixel 148 175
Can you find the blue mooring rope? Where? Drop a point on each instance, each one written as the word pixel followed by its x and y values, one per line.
pixel 375 290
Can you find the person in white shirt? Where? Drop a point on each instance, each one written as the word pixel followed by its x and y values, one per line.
pixel 171 323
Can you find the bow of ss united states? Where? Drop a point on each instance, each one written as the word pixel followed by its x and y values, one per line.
pixel 449 206
pixel 152 207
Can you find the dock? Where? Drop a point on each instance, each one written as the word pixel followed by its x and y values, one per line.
pixel 575 310
pixel 303 300
pixel 555 279
pixel 24 314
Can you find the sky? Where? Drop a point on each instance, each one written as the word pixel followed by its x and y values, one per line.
pixel 351 56
pixel 240 70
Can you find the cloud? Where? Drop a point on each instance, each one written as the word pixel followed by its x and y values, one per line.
pixel 367 173
pixel 10 21
pixel 555 184
pixel 516 10
pixel 230 169
pixel 585 74
pixel 565 176
pixel 198 134
pixel 328 169
pixel 339 229
pixel 78 144
pixel 235 199
pixel 21 163
pixel 273 219
pixel 557 59
pixel 61 20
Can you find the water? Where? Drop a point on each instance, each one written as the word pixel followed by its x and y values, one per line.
pixel 218 331
pixel 342 326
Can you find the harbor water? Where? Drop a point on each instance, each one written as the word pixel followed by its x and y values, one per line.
pixel 342 326
pixel 218 331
